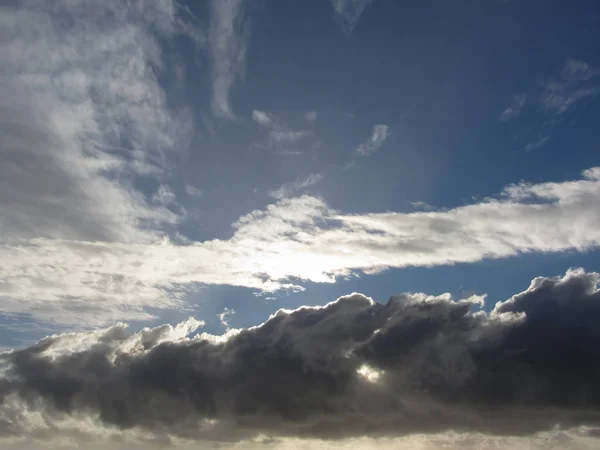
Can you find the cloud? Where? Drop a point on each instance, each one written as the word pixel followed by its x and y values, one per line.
pixel 349 11
pixel 227 38
pixel 310 116
pixel 223 317
pixel 515 107
pixel 374 143
pixel 577 82
pixel 82 116
pixel 538 143
pixel 300 238
pixel 417 364
pixel 193 191
pixel 165 196
pixel 288 137
pixel 289 189
pixel 262 118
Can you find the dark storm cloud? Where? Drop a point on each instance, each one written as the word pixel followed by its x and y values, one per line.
pixel 353 367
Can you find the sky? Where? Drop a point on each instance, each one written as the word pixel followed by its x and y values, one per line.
pixel 299 224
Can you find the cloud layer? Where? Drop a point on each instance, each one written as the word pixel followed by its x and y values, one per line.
pixel 417 364
pixel 299 238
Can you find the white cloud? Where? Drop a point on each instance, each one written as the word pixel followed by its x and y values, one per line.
pixel 515 107
pixel 224 315
pixel 262 118
pixel 289 189
pixel 349 11
pixel 83 114
pixel 164 196
pixel 538 143
pixel 228 51
pixel 193 191
pixel 288 137
pixel 576 83
pixel 97 282
pixel 374 143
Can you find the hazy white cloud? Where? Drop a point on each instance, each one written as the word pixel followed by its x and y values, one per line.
pixel 374 143
pixel 262 118
pixel 193 191
pixel 577 82
pixel 349 11
pixel 227 39
pixel 164 195
pixel 82 115
pixel 281 137
pixel 289 189
pixel 310 116
pixel 515 107
pixel 301 237
pixel 538 143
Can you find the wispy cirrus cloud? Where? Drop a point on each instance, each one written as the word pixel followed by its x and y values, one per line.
pixel 416 365
pixel 577 82
pixel 378 136
pixel 349 12
pixel 83 115
pixel 514 109
pixel 298 238
pixel 262 118
pixel 228 41
pixel 290 189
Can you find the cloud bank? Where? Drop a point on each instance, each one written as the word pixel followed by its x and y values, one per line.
pixel 417 364
pixel 296 239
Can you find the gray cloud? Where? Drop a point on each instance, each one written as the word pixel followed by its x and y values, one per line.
pixel 417 364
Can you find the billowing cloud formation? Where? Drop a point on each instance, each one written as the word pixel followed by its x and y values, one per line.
pixel 349 12
pixel 417 364
pixel 374 143
pixel 296 238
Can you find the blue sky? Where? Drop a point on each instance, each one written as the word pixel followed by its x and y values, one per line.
pixel 225 159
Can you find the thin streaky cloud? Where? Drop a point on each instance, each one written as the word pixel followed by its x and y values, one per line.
pixel 515 108
pixel 290 189
pixel 227 39
pixel 193 191
pixel 378 136
pixel 262 118
pixel 349 12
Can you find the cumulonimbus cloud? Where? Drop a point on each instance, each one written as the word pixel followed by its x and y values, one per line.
pixel 354 367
